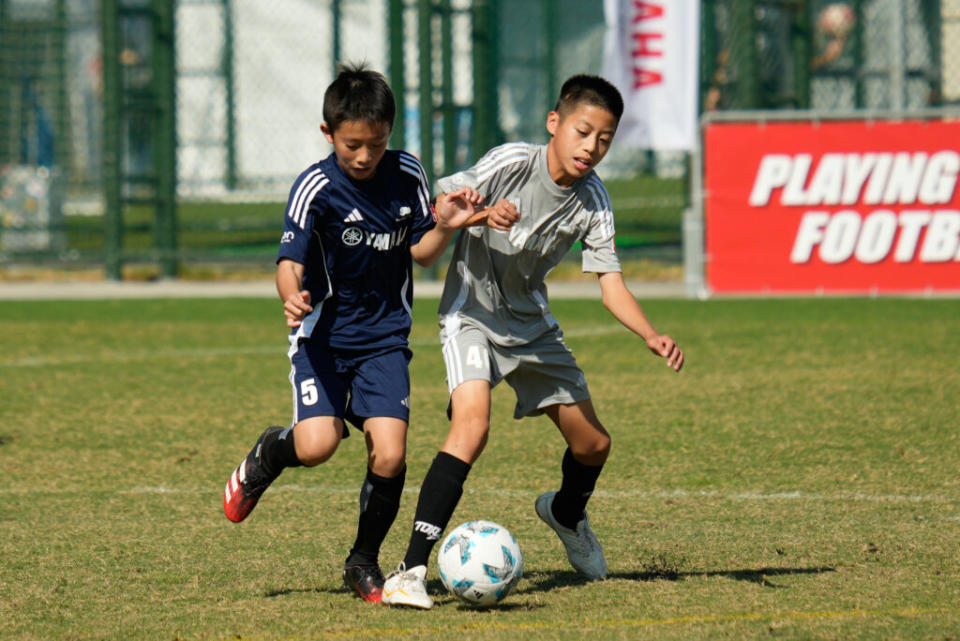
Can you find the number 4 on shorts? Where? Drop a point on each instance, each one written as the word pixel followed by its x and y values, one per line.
pixel 477 356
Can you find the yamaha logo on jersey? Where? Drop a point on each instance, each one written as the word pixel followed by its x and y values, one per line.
pixel 352 236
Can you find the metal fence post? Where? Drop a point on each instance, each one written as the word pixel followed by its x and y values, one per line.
pixel 693 222
pixel 335 14
pixel 708 51
pixel 227 71
pixel 397 81
pixel 743 55
pixel 485 55
pixel 858 31
pixel 550 53
pixel 897 43
pixel 165 135
pixel 800 30
pixel 112 148
pixel 61 148
pixel 424 38
pixel 5 89
pixel 932 16
pixel 449 112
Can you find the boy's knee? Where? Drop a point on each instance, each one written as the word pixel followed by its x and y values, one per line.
pixel 593 452
pixel 468 436
pixel 315 444
pixel 387 463
pixel 312 456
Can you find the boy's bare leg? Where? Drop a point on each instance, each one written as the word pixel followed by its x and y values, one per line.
pixel 469 421
pixel 386 439
pixel 588 440
pixel 317 439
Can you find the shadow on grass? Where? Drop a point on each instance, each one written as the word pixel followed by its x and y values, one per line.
pixel 506 606
pixel 545 581
pixel 434 588
pixel 270 594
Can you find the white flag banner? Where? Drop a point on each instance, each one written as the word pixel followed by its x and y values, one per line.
pixel 651 54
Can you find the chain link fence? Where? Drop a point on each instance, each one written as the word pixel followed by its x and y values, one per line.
pixel 250 76
pixel 49 117
pixel 863 54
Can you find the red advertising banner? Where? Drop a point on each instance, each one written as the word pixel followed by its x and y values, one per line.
pixel 849 206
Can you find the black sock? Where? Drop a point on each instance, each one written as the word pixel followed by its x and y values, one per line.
pixel 575 490
pixel 439 496
pixel 278 451
pixel 379 503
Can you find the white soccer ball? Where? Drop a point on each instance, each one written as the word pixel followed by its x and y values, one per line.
pixel 836 20
pixel 480 562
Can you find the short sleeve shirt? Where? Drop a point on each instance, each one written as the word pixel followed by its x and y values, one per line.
pixel 353 239
pixel 496 278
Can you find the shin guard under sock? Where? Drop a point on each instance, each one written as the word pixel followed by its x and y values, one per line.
pixel 439 495
pixel 379 504
pixel 278 451
pixel 575 490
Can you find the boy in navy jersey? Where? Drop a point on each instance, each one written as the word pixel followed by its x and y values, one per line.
pixel 353 222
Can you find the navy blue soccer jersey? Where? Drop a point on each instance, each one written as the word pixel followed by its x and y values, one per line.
pixel 353 239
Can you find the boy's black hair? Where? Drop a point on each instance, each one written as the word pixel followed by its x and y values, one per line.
pixel 592 90
pixel 358 93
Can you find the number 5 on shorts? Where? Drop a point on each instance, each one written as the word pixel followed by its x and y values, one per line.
pixel 308 391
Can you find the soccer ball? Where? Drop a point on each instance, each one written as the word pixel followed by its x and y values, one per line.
pixel 480 562
pixel 836 20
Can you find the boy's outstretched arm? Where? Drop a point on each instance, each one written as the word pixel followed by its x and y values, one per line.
pixel 296 301
pixel 624 307
pixel 454 210
pixel 500 216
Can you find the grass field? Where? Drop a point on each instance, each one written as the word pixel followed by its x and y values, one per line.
pixel 798 480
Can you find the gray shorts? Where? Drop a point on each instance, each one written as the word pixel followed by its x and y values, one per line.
pixel 541 373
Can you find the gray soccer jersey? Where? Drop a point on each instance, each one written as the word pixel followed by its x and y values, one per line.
pixel 495 280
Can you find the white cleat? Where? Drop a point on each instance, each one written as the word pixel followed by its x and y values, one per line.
pixel 407 587
pixel 583 548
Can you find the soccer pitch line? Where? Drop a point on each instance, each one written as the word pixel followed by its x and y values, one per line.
pixel 796 495
pixel 144 355
pixel 274 349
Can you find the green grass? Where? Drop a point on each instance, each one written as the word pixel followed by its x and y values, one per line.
pixel 798 480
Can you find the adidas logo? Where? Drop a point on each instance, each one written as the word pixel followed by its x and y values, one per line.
pixel 353 217
pixel 405 401
pixel 404 212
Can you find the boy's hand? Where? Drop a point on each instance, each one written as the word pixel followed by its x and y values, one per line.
pixel 502 215
pixel 458 208
pixel 296 307
pixel 663 345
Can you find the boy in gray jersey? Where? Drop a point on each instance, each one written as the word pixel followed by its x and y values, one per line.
pixel 496 324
